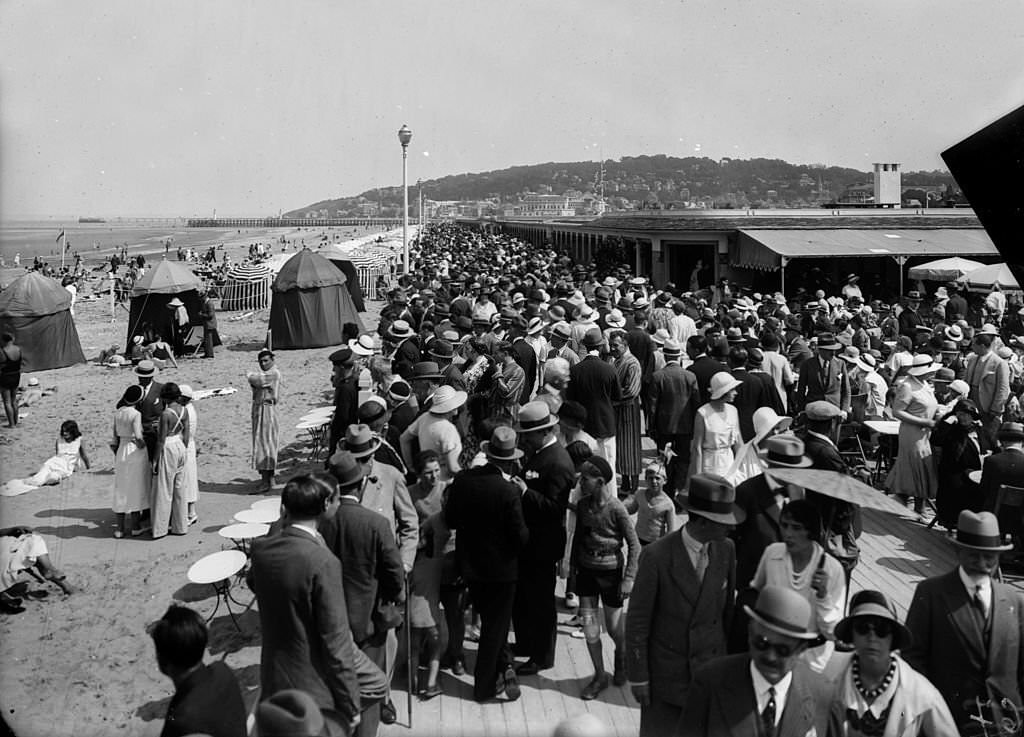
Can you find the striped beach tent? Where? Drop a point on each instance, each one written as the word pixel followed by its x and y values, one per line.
pixel 246 287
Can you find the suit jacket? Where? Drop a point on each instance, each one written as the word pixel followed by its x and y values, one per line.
pixel 371 566
pixel 989 379
pixel 823 454
pixel 704 368
pixel 672 401
pixel 346 411
pixel 677 622
pixel 307 641
pixel 209 701
pixel 757 390
pixel 151 407
pixel 407 354
pixel 721 702
pixel 957 305
pixel 908 322
pixel 797 350
pixel 594 384
pixel 385 492
pixel 1006 467
pixel 550 475
pixel 526 357
pixel 815 383
pixel 451 375
pixel 486 513
pixel 949 648
pixel 760 527
pixel 641 345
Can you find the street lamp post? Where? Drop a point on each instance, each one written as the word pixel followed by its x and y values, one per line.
pixel 404 136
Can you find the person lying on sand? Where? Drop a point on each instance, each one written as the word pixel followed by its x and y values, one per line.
pixel 21 549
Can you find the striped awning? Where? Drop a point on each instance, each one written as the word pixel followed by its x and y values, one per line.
pixel 248 272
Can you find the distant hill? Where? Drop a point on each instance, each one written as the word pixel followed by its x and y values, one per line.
pixel 635 182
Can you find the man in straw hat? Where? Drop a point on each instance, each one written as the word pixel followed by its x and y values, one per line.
pixel 968 628
pixel 485 510
pixel 548 475
pixel 150 406
pixel 681 604
pixel 767 691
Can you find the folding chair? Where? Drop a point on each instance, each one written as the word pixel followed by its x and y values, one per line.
pixel 194 340
pixel 1011 497
pixel 851 430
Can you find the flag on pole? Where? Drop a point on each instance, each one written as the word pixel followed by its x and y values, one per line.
pixel 60 236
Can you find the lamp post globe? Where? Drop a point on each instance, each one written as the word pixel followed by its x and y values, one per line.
pixel 404 136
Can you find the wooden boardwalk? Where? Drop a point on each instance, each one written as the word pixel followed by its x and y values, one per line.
pixel 897 551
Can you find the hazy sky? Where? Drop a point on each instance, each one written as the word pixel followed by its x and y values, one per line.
pixel 179 108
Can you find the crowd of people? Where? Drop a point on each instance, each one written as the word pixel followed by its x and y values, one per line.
pixel 498 458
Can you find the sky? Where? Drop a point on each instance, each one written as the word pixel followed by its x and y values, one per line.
pixel 138 108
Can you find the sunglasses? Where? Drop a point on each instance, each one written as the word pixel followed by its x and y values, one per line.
pixel 763 644
pixel 880 627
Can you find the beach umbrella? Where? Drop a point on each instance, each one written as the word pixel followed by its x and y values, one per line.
pixel 986 276
pixel 167 277
pixel 945 269
pixel 248 272
pixel 832 484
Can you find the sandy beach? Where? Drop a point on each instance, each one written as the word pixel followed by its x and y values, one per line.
pixel 84 664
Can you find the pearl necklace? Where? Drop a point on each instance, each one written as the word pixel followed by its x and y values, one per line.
pixel 872 694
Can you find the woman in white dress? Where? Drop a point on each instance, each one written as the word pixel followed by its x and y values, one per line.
pixel 132 472
pixel 191 466
pixel 716 430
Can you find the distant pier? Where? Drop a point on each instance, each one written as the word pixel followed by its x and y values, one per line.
pixel 289 222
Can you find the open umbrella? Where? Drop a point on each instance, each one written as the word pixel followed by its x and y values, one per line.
pixel 986 276
pixel 945 269
pixel 836 485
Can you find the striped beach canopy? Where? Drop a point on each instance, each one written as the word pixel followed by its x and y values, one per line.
pixel 248 272
pixel 367 259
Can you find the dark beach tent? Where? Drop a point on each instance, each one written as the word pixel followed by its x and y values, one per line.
pixel 310 303
pixel 36 310
pixel 160 284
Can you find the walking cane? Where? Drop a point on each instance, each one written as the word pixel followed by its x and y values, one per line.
pixel 408 654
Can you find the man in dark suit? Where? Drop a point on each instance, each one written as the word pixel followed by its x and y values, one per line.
pixel 371 564
pixel 406 352
pixel 956 308
pixel 757 390
pixel 346 395
pixel 150 406
pixel 1005 467
pixel 968 629
pixel 671 407
pixel 594 384
pixel 909 317
pixel 703 366
pixel 443 353
pixel 486 512
pixel 769 691
pixel 824 377
pixel 797 350
pixel 207 698
pixel 549 475
pixel 681 605
pixel 307 640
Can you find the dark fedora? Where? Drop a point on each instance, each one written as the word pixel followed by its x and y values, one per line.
pixel 593 339
pixel 426 370
pixel 786 451
pixel 828 342
pixel 360 441
pixel 979 531
pixel 145 368
pixel 913 296
pixel 713 497
pixel 441 349
pixel 346 468
pixel 503 445
pixel 1011 431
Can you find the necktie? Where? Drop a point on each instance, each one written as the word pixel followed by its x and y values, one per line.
pixel 702 561
pixel 768 715
pixel 979 603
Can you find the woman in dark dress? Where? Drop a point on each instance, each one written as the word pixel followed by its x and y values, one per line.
pixel 10 377
pixel 955 439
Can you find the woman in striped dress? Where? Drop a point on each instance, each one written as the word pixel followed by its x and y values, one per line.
pixel 266 391
pixel 627 412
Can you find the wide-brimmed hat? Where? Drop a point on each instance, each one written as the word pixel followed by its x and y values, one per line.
pixel 988 329
pixel 1010 431
pixel 503 445
pixel 175 303
pixel 722 383
pixel 828 342
pixel 534 326
pixel 712 496
pixel 944 376
pixel 922 364
pixel 979 531
pixel 346 468
pixel 941 293
pixel 294 713
pixel 535 416
pixel 426 370
pixel 852 277
pixel 360 440
pixel 870 603
pixel 145 368
pixel 640 303
pixel 447 399
pixel 561 330
pixel 960 386
pixel 362 346
pixel 400 330
pixel 610 281
pixel 786 451
pixel 615 319
pixel 784 611
pixel 132 395
pixel 586 313
pixel 767 419
pixel 399 390
pixel 850 354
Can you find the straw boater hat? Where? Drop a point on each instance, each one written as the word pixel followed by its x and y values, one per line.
pixel 362 346
pixel 145 368
pixel 294 713
pixel 535 416
pixel 447 399
pixel 784 611
pixel 400 330
pixel 615 319
pixel 535 326
pixel 672 348
pixel 980 531
pixel 360 441
pixel 722 383
pixel 503 445
pixel 714 498
pixel 866 362
pixel 873 604
pixel 786 451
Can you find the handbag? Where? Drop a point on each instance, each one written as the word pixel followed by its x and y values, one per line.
pixel 387 615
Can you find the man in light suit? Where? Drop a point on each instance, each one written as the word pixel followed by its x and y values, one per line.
pixel 769 692
pixel 307 641
pixel 988 376
pixel 681 604
pixel 672 404
pixel 968 628
pixel 824 377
